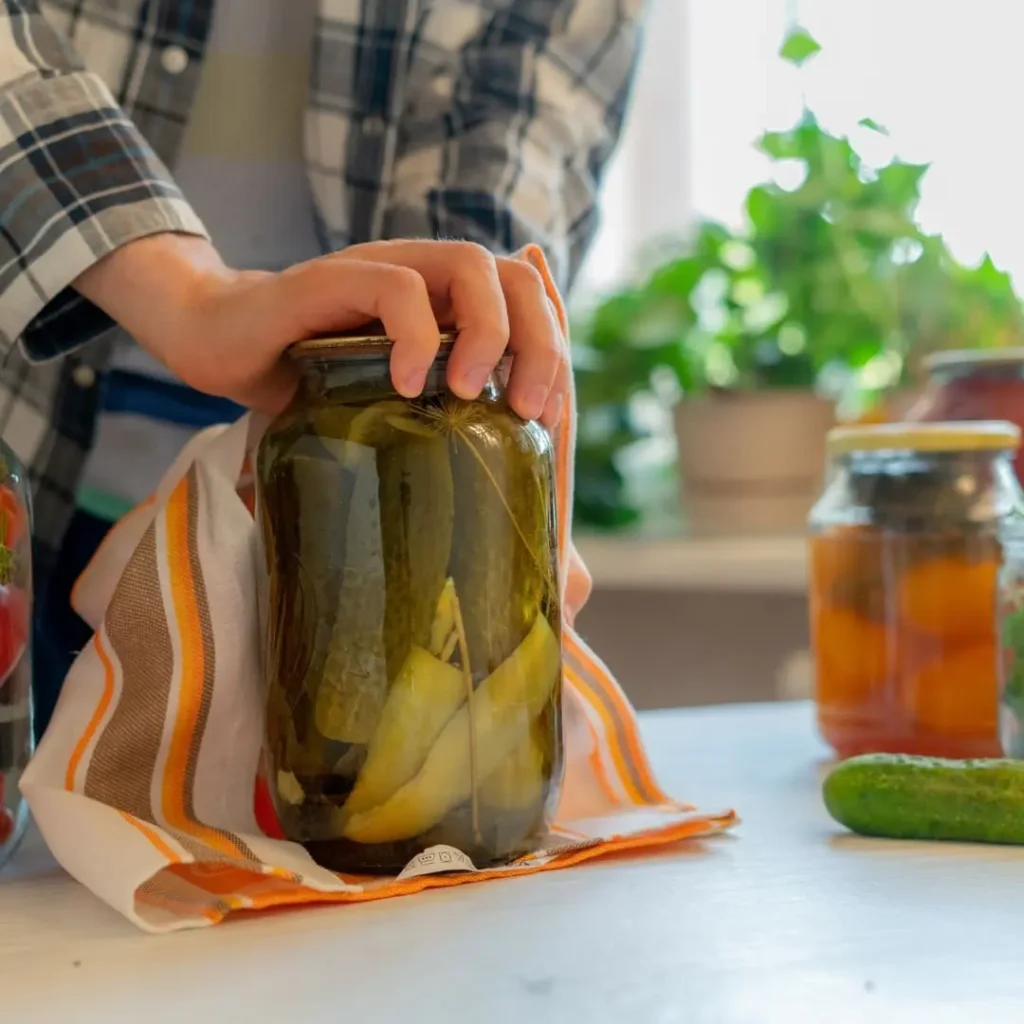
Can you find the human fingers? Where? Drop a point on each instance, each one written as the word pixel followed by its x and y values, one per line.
pixel 461 277
pixel 535 339
pixel 330 294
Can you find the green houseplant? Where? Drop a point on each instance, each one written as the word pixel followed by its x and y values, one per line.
pixel 829 287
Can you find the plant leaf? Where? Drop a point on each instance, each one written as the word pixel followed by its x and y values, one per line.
pixel 901 182
pixel 873 125
pixel 779 145
pixel 798 47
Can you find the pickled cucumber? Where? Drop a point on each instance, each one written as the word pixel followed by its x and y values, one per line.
pixel 350 693
pixel 416 510
pixel 520 781
pixel 422 700
pixel 513 695
pixel 502 563
pixel 311 492
pixel 897 796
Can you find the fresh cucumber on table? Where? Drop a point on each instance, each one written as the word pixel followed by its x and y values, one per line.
pixel 901 797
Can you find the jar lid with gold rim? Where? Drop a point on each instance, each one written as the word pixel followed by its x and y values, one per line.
pixel 369 339
pixel 979 435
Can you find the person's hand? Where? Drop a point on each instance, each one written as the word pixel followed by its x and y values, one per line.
pixel 224 331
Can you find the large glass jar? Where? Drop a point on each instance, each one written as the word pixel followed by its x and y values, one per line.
pixel 411 616
pixel 15 648
pixel 913 546
pixel 978 384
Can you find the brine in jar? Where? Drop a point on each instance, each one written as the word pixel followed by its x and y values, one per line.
pixel 411 615
pixel 909 551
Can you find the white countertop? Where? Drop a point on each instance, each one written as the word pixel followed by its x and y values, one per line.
pixel 785 921
pixel 750 564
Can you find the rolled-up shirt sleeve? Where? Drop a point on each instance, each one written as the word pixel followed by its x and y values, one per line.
pixel 77 181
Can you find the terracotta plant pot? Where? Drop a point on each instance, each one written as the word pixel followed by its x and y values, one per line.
pixel 752 463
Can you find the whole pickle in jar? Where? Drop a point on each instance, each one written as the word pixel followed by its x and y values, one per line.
pixel 352 685
pixel 394 553
pixel 416 499
pixel 298 592
pixel 502 561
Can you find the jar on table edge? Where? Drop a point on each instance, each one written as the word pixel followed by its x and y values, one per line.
pixel 16 737
pixel 915 552
pixel 973 384
pixel 411 615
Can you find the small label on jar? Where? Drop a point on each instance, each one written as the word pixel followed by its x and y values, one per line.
pixel 436 860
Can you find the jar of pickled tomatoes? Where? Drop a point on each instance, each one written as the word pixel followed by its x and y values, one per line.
pixel 914 549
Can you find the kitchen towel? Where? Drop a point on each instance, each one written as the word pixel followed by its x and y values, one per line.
pixel 144 783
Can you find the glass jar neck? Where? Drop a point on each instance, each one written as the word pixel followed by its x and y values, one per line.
pixel 969 487
pixel 1008 371
pixel 367 377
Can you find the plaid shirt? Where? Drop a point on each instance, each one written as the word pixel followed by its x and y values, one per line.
pixel 490 120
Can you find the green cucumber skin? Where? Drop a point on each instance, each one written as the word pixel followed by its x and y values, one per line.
pixel 900 797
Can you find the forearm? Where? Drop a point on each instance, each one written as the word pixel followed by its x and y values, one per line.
pixel 77 182
pixel 148 282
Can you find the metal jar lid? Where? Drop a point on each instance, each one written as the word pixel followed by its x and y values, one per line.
pixel 966 436
pixel 369 339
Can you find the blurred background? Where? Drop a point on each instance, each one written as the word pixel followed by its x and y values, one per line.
pixel 810 198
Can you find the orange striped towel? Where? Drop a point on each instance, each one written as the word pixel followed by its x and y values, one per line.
pixel 143 785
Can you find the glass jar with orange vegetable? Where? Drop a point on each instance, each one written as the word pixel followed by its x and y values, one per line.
pixel 913 548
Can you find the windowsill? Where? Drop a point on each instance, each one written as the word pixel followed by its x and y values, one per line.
pixel 761 564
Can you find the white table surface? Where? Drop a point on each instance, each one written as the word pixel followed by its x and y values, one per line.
pixel 787 920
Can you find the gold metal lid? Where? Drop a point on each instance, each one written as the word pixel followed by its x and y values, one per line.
pixel 366 340
pixel 956 359
pixel 979 435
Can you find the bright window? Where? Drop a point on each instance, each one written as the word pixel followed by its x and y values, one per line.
pixel 943 76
